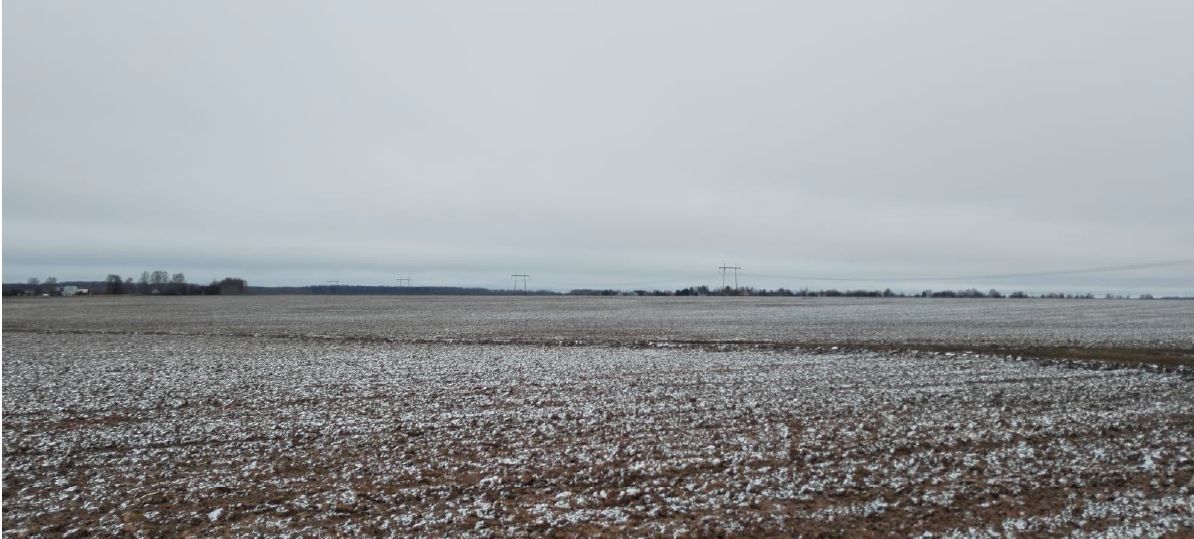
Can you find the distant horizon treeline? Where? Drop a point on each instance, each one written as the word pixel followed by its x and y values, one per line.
pixel 702 290
pixel 156 282
pixel 834 293
pixel 366 290
pixel 163 283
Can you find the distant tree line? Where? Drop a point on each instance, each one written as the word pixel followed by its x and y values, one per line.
pixel 834 293
pixel 35 287
pixel 163 283
pixel 363 290
pixel 159 282
pixel 151 283
pixel 743 291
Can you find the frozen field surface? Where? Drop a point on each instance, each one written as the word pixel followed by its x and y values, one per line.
pixel 195 426
pixel 1007 323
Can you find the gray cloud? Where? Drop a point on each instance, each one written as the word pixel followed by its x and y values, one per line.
pixel 295 142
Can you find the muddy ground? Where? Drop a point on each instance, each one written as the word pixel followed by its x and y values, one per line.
pixel 178 435
pixel 161 420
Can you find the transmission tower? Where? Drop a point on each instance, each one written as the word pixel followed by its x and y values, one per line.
pixel 403 281
pixel 723 267
pixel 335 286
pixel 518 276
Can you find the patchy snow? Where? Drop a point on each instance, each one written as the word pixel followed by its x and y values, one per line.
pixel 212 435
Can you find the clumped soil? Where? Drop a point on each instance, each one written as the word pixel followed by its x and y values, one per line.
pixel 220 432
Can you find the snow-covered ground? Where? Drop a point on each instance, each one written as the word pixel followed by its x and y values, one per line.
pixel 211 433
pixel 1008 323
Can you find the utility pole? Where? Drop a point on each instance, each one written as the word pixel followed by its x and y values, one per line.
pixel 723 267
pixel 335 285
pixel 517 276
pixel 403 281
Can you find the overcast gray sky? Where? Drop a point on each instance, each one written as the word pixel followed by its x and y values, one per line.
pixel 601 143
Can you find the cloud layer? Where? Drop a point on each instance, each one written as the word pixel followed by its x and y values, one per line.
pixel 603 143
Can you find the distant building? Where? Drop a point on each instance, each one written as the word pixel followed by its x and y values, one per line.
pixel 232 285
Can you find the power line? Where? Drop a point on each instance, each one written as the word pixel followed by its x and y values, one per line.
pixel 655 284
pixel 1104 269
pixel 728 271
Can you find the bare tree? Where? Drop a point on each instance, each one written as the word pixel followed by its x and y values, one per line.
pixel 113 284
pixel 158 280
pixel 51 285
pixel 178 284
pixel 32 284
